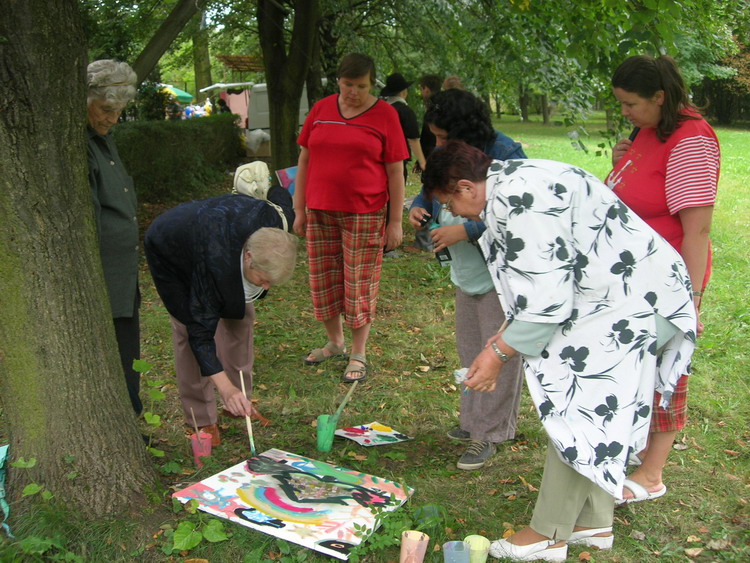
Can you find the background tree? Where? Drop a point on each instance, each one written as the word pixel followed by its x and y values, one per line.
pixel 61 384
pixel 287 58
pixel 201 57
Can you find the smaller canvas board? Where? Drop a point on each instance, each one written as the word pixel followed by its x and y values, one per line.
pixel 287 178
pixel 372 434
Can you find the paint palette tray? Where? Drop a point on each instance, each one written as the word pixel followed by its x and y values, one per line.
pixel 372 434
pixel 298 499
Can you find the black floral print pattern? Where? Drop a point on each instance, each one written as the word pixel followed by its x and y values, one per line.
pixel 563 249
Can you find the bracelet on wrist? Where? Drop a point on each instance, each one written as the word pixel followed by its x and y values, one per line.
pixel 499 353
pixel 697 294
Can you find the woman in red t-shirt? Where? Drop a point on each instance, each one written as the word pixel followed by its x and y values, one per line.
pixel 350 166
pixel 668 174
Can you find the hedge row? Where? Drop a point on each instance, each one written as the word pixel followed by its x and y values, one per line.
pixel 173 161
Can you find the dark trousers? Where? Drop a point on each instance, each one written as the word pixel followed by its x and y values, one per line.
pixel 128 334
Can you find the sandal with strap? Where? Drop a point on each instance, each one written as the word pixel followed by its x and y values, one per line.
pixel 359 372
pixel 319 355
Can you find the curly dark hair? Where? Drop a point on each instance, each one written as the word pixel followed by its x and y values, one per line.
pixel 464 116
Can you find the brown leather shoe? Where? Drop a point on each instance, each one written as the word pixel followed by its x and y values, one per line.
pixel 212 429
pixel 256 415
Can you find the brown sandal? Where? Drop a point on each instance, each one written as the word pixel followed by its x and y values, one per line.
pixel 358 371
pixel 319 356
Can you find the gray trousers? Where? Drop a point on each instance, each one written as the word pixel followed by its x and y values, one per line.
pixel 567 499
pixel 489 417
pixel 234 347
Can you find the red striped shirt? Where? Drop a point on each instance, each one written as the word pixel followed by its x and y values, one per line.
pixel 692 173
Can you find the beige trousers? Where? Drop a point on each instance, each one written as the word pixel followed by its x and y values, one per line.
pixel 234 347
pixel 567 499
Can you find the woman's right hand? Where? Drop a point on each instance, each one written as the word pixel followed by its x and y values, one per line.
pixel 415 217
pixel 619 150
pixel 300 223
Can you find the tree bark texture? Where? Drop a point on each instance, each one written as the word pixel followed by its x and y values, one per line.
pixel 61 386
pixel 286 70
pixel 162 39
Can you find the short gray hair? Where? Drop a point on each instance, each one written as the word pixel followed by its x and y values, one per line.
pixel 274 252
pixel 110 81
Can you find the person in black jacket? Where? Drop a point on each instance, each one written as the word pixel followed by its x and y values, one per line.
pixel 210 259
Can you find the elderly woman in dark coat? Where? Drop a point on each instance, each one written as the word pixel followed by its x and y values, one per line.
pixel 210 259
pixel 111 86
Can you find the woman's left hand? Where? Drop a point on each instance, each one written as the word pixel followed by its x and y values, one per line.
pixel 482 375
pixel 394 235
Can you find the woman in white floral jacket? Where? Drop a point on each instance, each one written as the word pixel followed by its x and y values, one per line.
pixel 601 311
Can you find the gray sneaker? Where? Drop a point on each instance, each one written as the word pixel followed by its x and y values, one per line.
pixel 476 455
pixel 458 434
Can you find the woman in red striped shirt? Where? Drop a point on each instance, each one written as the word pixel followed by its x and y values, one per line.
pixel 667 172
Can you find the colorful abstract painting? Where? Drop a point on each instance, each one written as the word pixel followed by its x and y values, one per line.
pixel 373 434
pixel 298 499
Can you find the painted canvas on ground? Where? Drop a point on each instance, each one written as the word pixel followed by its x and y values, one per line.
pixel 373 434
pixel 298 499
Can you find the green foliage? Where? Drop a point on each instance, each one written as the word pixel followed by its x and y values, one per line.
pixel 174 161
pixel 152 102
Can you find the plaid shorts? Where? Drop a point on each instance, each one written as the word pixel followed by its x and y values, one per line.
pixel 345 252
pixel 674 417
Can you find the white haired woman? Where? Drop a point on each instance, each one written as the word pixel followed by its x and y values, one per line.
pixel 111 86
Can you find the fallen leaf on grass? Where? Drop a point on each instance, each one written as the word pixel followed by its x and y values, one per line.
pixel 358 457
pixel 262 386
pixel 526 484
pixel 196 560
pixel 584 556
pixel 680 447
pixel 719 545
pixel 693 551
pixel 510 495
pixel 506 481
pixel 636 535
pixel 703 530
pixel 423 368
pixel 731 452
pixel 508 533
pixel 693 539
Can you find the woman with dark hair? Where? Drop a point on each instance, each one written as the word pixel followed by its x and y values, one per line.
pixel 668 175
pixel 486 419
pixel 599 309
pixel 350 167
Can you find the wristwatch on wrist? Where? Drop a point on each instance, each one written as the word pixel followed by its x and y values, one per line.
pixel 499 353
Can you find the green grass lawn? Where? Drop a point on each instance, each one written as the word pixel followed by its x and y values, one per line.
pixel 412 353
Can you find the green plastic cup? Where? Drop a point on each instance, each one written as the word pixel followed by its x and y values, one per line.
pixel 326 429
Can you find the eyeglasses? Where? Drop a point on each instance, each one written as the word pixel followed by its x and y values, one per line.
pixel 447 205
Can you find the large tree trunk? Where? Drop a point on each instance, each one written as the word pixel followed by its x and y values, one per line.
pixel 286 71
pixel 162 39
pixel 61 384
pixel 201 59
